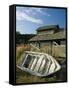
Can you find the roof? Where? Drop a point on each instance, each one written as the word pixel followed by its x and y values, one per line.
pixel 44 37
pixel 49 27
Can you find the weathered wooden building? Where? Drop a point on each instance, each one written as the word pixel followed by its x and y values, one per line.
pixel 48 35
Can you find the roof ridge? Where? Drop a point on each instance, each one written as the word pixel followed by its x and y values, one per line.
pixel 47 27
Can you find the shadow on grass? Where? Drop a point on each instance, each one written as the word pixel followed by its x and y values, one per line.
pixel 24 77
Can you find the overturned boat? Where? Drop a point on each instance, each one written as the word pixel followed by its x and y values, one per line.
pixel 39 64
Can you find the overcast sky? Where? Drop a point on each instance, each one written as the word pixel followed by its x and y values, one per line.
pixel 28 19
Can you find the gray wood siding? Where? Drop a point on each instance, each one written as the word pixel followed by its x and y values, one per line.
pixel 63 42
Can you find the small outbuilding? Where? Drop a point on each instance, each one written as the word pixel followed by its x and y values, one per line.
pixel 49 35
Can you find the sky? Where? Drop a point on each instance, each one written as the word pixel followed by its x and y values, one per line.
pixel 28 19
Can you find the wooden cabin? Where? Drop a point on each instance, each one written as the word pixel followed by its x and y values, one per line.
pixel 49 36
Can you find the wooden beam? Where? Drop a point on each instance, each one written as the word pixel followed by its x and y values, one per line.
pixel 51 47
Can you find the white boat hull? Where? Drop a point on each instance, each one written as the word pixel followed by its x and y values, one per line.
pixel 39 64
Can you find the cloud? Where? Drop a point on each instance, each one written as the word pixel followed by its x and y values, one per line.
pixel 39 10
pixel 34 11
pixel 26 17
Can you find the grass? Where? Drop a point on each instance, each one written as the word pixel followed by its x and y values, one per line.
pixel 20 50
pixel 24 77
